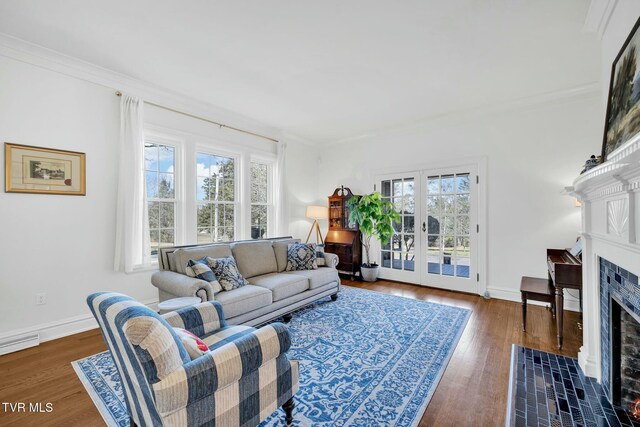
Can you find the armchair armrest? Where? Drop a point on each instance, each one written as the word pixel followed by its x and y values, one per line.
pixel 199 319
pixel 223 366
pixel 331 260
pixel 180 285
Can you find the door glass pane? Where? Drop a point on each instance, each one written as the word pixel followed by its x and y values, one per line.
pixel 409 262
pixel 447 183
pixel 397 261
pixel 386 188
pixel 386 259
pixel 433 185
pixel 462 183
pixel 409 224
pixel 462 203
pixel 448 224
pixel 401 193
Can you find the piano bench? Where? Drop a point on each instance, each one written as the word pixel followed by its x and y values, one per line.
pixel 533 288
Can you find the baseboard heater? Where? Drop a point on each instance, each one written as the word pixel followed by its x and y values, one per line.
pixel 19 342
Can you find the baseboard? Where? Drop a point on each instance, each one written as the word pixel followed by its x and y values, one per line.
pixel 509 294
pixel 34 335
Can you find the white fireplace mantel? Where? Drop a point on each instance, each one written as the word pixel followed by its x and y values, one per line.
pixel 611 230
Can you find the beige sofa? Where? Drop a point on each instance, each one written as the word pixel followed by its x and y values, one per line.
pixel 273 292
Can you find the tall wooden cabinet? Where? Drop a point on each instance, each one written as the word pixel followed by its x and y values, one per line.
pixel 343 238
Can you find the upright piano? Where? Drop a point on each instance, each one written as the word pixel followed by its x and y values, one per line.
pixel 565 272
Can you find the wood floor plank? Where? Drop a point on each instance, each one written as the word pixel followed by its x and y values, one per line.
pixel 472 391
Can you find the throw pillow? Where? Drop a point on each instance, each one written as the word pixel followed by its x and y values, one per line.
pixel 200 270
pixel 320 255
pixel 301 256
pixel 227 272
pixel 194 345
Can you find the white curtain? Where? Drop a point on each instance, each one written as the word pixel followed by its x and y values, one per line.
pixel 281 199
pixel 132 223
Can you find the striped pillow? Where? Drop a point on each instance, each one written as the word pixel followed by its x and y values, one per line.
pixel 200 270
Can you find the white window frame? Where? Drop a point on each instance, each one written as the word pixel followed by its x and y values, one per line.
pixel 186 147
pixel 237 157
pixel 269 162
pixel 154 137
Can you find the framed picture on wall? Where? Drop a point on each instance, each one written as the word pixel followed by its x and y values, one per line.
pixel 43 170
pixel 622 121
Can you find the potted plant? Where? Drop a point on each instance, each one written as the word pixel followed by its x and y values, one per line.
pixel 375 217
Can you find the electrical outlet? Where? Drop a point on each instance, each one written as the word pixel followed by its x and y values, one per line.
pixel 41 299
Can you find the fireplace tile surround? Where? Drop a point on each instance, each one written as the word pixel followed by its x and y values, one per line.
pixel 623 285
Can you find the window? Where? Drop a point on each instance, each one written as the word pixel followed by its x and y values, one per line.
pixel 159 169
pixel 260 186
pixel 216 198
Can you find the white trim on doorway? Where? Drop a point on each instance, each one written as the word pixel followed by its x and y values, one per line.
pixel 480 164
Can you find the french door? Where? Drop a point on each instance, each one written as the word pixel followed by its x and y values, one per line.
pixel 435 241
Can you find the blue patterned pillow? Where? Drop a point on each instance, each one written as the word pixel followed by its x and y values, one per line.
pixel 227 273
pixel 320 255
pixel 301 256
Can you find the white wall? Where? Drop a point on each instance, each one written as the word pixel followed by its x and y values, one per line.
pixel 532 154
pixel 64 245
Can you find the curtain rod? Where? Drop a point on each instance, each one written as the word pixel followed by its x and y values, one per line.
pixel 222 125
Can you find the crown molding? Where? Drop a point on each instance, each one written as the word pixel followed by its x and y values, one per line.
pixel 36 55
pixel 598 16
pixel 585 91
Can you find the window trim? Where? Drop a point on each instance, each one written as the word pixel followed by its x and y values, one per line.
pixel 270 163
pixel 237 203
pixel 153 137
pixel 186 148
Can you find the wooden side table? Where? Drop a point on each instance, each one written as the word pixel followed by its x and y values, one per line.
pixel 532 288
pixel 177 303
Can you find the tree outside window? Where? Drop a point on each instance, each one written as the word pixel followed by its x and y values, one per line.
pixel 215 194
pixel 259 200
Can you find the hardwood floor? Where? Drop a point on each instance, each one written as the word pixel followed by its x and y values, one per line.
pixel 472 392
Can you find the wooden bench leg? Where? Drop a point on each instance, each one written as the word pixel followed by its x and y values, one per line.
pixel 524 312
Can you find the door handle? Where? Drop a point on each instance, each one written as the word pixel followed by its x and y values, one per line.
pixel 424 226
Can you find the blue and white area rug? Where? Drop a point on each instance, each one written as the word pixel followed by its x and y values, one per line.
pixel 366 359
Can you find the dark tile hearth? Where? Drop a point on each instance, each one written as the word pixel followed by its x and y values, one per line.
pixel 550 390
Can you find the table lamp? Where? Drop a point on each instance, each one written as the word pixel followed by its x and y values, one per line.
pixel 316 212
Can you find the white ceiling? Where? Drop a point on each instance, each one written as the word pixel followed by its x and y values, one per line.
pixel 326 70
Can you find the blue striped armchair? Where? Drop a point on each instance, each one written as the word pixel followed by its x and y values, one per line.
pixel 243 378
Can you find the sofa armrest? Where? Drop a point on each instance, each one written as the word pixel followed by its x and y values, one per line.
pixel 199 319
pixel 331 260
pixel 181 285
pixel 221 367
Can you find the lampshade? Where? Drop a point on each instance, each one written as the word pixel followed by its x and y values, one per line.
pixel 317 212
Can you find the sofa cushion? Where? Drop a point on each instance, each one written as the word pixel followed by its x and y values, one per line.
pixel 280 249
pixel 254 258
pixel 281 285
pixel 227 334
pixel 227 273
pixel 183 255
pixel 243 300
pixel 301 256
pixel 319 277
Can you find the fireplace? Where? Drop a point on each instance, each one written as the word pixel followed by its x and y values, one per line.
pixel 620 335
pixel 625 357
